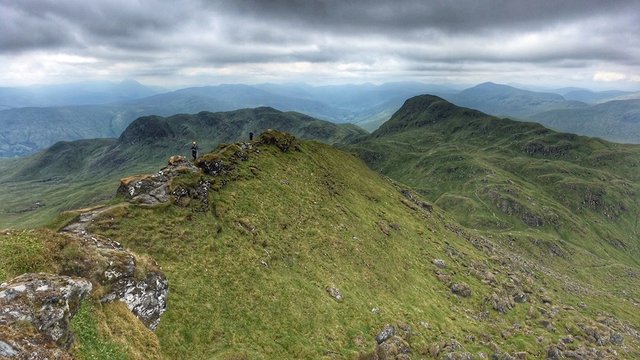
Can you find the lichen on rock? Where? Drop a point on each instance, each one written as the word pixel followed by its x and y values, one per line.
pixel 35 310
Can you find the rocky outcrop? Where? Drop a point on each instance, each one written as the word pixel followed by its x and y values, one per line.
pixel 284 141
pixel 117 269
pixel 154 189
pixel 146 298
pixel 393 342
pixel 35 310
pixel 415 200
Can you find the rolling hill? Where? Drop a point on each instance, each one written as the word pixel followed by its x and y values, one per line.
pixel 74 174
pixel 298 250
pixel 504 100
pixel 617 120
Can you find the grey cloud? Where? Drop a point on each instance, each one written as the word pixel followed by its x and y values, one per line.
pixel 414 15
pixel 159 38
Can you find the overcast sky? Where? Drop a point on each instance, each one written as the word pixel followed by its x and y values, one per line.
pixel 594 43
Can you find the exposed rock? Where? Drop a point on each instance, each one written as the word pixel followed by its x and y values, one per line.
pixel 282 140
pixel 521 355
pixel 616 339
pixel 501 304
pixel 146 298
pixel 461 289
pixel 439 263
pixel 334 292
pixel 414 199
pixel 512 207
pixel 386 333
pixel 520 297
pixel 109 264
pixel 553 353
pixel 394 348
pixel 463 355
pixel 44 303
pixel 154 189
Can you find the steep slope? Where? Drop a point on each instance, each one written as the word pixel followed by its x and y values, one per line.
pixel 614 120
pixel 568 201
pixel 504 100
pixel 287 249
pixel 72 174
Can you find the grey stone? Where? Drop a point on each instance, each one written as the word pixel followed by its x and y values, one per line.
pixel 461 289
pixel 386 333
pixel 617 339
pixel 146 298
pixel 7 350
pixel 334 292
pixel 439 263
pixel 47 302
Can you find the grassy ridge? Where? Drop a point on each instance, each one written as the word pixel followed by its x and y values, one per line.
pixel 249 278
pixel 74 174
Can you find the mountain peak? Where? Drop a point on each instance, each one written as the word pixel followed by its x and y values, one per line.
pixel 424 110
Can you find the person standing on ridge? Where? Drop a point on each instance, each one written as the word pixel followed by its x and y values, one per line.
pixel 194 150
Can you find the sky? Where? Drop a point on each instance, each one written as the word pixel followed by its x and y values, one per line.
pixel 547 43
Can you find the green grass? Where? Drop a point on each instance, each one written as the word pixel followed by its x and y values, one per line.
pixel 23 251
pixel 248 278
pixel 80 173
pixel 90 344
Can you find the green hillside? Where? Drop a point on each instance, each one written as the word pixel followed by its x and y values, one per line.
pixel 73 174
pixel 256 269
pixel 567 201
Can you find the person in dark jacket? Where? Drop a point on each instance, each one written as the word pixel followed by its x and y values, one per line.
pixel 194 150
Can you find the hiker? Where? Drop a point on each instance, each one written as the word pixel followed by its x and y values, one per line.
pixel 194 150
pixel 250 136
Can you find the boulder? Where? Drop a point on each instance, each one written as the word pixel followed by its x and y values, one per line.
pixel 334 292
pixel 386 333
pixel 461 289
pixel 146 298
pixel 439 263
pixel 394 348
pixel 35 310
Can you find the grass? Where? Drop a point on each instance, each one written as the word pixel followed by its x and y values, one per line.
pixel 249 277
pixel 25 251
pixel 80 173
pixel 90 343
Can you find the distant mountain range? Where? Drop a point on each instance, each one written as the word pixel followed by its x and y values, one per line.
pixel 504 100
pixel 82 93
pixel 478 223
pixel 52 176
pixel 613 120
pixel 25 130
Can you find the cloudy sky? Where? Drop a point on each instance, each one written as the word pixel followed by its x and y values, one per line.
pixel 593 43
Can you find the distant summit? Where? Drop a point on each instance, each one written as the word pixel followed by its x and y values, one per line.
pixel 423 110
